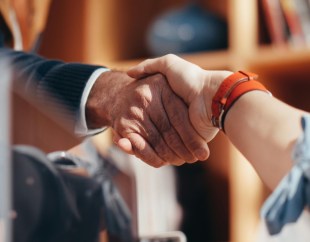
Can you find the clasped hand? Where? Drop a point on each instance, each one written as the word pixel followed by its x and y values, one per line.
pixel 160 111
pixel 148 119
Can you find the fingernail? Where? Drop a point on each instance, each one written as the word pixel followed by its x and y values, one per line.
pixel 201 154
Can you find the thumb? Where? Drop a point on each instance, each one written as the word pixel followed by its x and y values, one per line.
pixel 146 68
pixel 137 72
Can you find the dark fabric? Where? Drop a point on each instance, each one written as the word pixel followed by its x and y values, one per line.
pixel 50 83
pixel 117 215
pixel 52 204
pixel 6 37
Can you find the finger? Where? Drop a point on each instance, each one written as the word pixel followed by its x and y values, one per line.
pixel 171 137
pixel 147 67
pixel 144 151
pixel 165 150
pixel 155 139
pixel 146 129
pixel 178 115
pixel 122 143
pixel 125 145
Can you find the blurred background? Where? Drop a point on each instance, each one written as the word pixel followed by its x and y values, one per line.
pixel 221 197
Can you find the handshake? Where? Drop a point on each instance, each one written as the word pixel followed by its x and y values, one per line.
pixel 160 110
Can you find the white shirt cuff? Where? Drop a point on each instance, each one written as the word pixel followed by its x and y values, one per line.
pixel 81 126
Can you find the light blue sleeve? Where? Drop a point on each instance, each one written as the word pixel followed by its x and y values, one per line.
pixel 292 195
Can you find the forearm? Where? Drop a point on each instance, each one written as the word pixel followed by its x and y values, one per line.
pixel 263 128
pixel 50 82
pixel 265 131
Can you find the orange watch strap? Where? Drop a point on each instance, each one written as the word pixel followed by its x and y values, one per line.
pixel 229 91
pixel 243 88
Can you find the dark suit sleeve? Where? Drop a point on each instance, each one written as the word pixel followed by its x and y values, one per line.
pixel 51 82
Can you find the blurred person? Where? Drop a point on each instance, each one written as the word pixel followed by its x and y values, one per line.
pixel 272 135
pixel 91 97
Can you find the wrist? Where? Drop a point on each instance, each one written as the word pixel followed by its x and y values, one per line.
pixel 103 98
pixel 229 91
pixel 212 82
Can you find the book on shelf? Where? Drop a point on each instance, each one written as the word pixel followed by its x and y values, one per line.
pixel 275 21
pixel 288 21
pixel 293 20
pixel 303 12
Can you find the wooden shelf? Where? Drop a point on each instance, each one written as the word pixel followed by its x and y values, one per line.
pixel 208 60
pixel 270 57
pixel 265 59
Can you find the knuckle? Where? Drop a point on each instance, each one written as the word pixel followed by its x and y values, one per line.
pixel 170 57
pixel 157 81
pixel 122 125
pixel 163 80
pixel 147 61
pixel 126 126
pixel 159 77
pixel 135 113
pixel 142 95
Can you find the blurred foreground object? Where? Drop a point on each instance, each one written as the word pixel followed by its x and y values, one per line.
pixel 51 203
pixel 5 160
pixel 189 29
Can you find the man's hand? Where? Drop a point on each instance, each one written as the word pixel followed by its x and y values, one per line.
pixel 148 119
pixel 193 84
